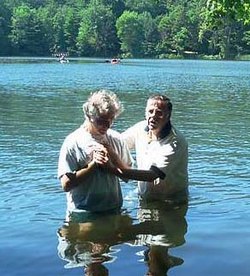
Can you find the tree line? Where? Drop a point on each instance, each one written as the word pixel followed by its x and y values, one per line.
pixel 125 28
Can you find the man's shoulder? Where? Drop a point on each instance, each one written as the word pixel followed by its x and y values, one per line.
pixel 73 136
pixel 114 136
pixel 178 135
pixel 113 133
pixel 139 126
pixel 178 132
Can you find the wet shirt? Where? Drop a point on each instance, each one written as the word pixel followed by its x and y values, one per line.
pixel 101 191
pixel 169 154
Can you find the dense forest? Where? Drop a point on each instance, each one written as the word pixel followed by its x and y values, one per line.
pixel 126 28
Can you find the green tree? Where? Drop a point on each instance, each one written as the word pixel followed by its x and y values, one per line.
pixel 222 25
pixel 46 15
pixel 246 38
pixel 151 34
pixel 148 28
pixel 131 33
pixel 117 6
pixel 59 39
pixel 154 7
pixel 97 33
pixel 5 17
pixel 71 26
pixel 238 10
pixel 26 31
pixel 178 30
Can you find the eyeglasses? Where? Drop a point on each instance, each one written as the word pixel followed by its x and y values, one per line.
pixel 102 122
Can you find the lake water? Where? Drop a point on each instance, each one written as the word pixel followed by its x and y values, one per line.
pixel 40 103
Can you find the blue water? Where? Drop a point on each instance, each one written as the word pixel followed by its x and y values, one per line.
pixel 40 103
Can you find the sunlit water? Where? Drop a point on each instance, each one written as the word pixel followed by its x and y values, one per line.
pixel 40 103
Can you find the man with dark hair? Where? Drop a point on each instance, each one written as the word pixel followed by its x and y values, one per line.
pixel 161 154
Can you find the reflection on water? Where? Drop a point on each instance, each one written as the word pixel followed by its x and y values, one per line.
pixel 161 228
pixel 90 243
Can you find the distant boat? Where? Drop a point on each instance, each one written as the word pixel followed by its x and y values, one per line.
pixel 63 60
pixel 115 61
pixel 62 57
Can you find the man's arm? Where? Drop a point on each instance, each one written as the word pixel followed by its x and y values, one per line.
pixel 136 174
pixel 71 180
pixel 123 171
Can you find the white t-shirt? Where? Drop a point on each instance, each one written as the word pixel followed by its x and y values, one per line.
pixel 169 154
pixel 101 191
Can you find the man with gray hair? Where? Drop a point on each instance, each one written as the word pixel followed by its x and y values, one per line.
pixel 91 189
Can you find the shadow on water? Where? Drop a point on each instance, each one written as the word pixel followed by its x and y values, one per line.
pixel 90 243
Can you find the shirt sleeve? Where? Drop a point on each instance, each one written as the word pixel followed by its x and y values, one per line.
pixel 129 137
pixel 126 155
pixel 67 160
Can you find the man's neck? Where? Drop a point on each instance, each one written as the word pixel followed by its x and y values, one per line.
pixel 155 134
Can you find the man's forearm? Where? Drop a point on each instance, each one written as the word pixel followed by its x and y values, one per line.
pixel 71 180
pixel 139 175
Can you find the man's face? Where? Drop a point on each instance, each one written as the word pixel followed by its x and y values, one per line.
pixel 157 114
pixel 102 123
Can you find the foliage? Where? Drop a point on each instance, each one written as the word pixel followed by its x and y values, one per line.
pixel 26 30
pixel 238 10
pixel 131 33
pixel 5 16
pixel 222 25
pixel 97 34
pixel 131 28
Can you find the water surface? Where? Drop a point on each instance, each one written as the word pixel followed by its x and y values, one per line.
pixel 40 103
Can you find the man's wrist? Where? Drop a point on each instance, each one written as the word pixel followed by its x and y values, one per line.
pixel 92 164
pixel 71 176
pixel 156 170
